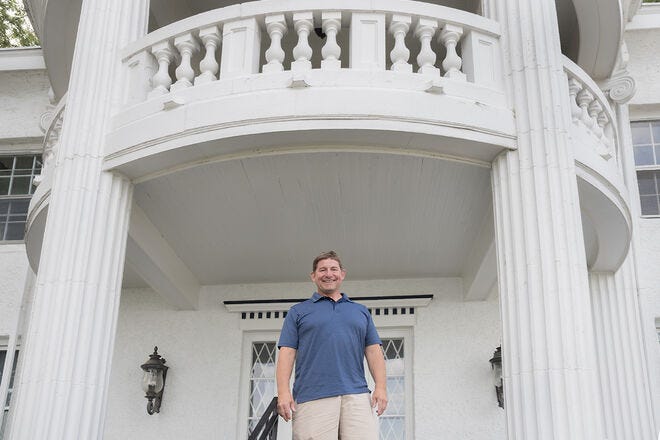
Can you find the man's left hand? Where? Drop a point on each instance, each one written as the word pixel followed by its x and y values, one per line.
pixel 379 400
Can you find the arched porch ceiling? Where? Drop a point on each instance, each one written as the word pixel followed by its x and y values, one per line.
pixel 262 219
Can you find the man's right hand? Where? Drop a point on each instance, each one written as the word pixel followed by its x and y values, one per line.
pixel 286 406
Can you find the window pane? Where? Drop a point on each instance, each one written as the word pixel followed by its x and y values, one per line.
pixel 646 182
pixel 649 205
pixel 262 380
pixel 655 127
pixel 641 133
pixel 14 231
pixel 4 186
pixel 392 428
pixel 644 155
pixel 6 163
pixel 19 206
pixel 20 185
pixel 392 424
pixel 24 162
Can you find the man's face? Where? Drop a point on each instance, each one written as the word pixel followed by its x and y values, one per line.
pixel 328 276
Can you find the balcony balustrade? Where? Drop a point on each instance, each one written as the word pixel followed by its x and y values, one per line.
pixel 591 111
pixel 267 37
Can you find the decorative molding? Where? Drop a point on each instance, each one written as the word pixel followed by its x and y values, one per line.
pixel 259 309
pixel 620 89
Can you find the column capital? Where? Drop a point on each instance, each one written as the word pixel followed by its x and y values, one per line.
pixel 620 88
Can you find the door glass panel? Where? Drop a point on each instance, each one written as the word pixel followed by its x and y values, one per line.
pixel 262 380
pixel 392 422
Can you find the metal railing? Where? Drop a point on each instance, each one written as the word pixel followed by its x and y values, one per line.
pixel 266 428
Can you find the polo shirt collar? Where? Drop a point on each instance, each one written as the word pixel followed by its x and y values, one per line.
pixel 317 297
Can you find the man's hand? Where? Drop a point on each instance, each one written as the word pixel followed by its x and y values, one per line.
pixel 379 400
pixel 376 362
pixel 286 406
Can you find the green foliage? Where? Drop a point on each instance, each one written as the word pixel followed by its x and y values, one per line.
pixel 15 28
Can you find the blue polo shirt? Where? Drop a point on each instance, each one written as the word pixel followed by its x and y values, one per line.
pixel 330 338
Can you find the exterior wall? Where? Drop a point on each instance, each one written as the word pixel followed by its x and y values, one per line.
pixel 453 340
pixel 13 270
pixel 24 95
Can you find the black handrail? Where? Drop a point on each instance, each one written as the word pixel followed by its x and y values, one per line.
pixel 266 428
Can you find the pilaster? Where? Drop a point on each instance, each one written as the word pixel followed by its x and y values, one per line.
pixel 67 358
pixel 549 361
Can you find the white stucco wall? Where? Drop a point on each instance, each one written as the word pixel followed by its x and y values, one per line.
pixel 24 95
pixel 453 340
pixel 13 271
pixel 643 42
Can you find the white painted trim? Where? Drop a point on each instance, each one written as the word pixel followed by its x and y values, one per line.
pixel 21 58
pixel 284 306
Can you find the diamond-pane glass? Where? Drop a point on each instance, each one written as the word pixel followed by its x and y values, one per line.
pixel 392 424
pixel 262 380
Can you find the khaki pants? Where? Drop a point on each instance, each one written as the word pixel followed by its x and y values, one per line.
pixel 347 417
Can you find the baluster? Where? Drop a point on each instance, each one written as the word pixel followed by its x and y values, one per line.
pixel 607 136
pixel 426 59
pixel 584 98
pixel 302 53
pixel 574 87
pixel 449 36
pixel 209 66
pixel 161 81
pixel 594 109
pixel 186 44
pixel 399 55
pixel 331 52
pixel 276 28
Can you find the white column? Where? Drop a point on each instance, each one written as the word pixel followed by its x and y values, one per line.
pixel 550 374
pixel 625 381
pixel 621 357
pixel 66 365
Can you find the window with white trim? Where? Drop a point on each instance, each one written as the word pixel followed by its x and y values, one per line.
pixel 17 175
pixel 646 147
pixel 3 356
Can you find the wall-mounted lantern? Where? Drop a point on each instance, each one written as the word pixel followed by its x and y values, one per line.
pixel 496 366
pixel 153 381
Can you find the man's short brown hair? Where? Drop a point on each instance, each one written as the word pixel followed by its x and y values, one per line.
pixel 329 255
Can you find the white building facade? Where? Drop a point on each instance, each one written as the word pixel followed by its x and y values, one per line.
pixel 489 172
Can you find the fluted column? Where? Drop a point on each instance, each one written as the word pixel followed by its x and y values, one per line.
pixel 66 365
pixel 621 357
pixel 549 362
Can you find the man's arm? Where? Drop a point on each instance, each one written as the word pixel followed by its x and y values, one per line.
pixel 376 362
pixel 285 403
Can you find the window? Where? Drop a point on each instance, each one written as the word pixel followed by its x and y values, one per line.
pixel 3 355
pixel 17 174
pixel 262 380
pixel 646 147
pixel 392 424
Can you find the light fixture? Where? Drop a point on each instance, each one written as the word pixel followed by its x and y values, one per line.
pixel 153 381
pixel 496 366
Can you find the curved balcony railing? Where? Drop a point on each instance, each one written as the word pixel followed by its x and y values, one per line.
pixel 269 36
pixel 591 110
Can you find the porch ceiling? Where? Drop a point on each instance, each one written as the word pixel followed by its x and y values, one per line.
pixel 263 219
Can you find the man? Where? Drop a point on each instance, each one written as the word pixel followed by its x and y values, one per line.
pixel 328 336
